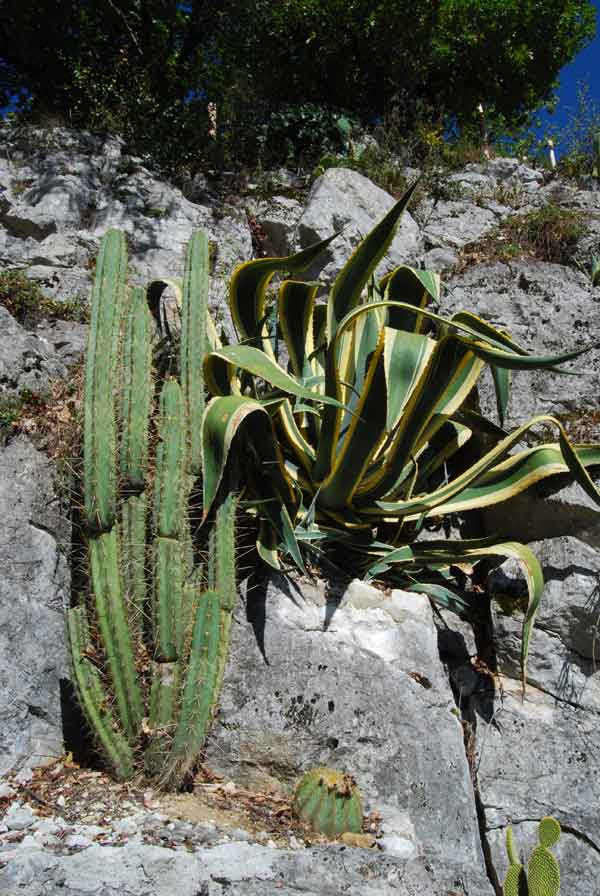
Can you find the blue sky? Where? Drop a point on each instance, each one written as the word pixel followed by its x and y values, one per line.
pixel 584 68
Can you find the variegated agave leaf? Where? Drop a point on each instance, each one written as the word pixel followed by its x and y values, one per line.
pixel 360 438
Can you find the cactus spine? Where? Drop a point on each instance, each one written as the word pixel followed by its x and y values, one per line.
pixel 152 608
pixel 543 873
pixel 329 802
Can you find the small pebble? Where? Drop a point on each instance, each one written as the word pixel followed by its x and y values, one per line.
pixel 230 787
pixel 125 826
pixel 6 791
pixel 295 843
pixel 61 801
pixel 272 844
pixel 18 817
pixel 45 826
pixel 77 841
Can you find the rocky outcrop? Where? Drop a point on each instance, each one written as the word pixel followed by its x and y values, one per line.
pixel 342 201
pixel 61 190
pixel 34 587
pixel 546 308
pixel 33 360
pixel 429 720
pixel 352 679
pixel 235 869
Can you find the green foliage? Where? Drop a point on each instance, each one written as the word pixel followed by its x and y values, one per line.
pixel 448 55
pixel 28 304
pixel 148 69
pixel 577 141
pixel 329 802
pixel 360 441
pixel 550 233
pixel 543 873
pixel 150 642
pixel 301 133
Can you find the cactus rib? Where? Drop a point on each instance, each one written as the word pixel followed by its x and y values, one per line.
pixel 93 697
pixel 197 701
pixel 100 484
pixel 194 341
pixel 114 630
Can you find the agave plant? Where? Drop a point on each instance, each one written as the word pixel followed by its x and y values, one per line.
pixel 358 442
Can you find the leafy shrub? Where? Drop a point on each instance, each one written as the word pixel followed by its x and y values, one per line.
pixel 302 133
pixel 28 304
pixel 550 233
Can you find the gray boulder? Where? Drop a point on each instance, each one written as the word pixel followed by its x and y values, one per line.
pixel 235 869
pixel 61 190
pixel 547 308
pixel 353 680
pixel 277 218
pixel 345 201
pixel 454 223
pixel 33 590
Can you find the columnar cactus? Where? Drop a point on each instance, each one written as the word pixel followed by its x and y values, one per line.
pixel 149 664
pixel 543 873
pixel 329 802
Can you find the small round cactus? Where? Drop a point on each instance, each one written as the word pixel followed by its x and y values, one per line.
pixel 329 802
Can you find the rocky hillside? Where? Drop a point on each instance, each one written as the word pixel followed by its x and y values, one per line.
pixel 425 711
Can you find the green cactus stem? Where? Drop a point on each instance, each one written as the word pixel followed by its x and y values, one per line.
pixel 329 802
pixel 93 697
pixel 100 482
pixel 136 403
pixel 141 476
pixel 169 514
pixel 194 341
pixel 197 704
pixel 114 630
pixel 543 873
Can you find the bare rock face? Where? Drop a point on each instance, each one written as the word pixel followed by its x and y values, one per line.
pixel 548 309
pixel 343 201
pixel 33 590
pixel 32 360
pixel 353 680
pixel 60 190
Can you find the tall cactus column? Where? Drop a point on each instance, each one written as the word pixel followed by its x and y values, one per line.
pixel 102 382
pixel 136 403
pixel 149 659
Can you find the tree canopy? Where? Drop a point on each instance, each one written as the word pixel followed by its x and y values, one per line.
pixel 148 67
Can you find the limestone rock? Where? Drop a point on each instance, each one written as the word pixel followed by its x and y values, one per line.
pixel 539 757
pixel 547 308
pixel 278 218
pixel 353 681
pixel 235 869
pixel 60 190
pixel 345 201
pixel 454 223
pixel 33 588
